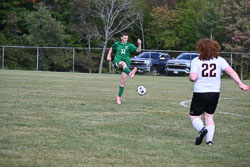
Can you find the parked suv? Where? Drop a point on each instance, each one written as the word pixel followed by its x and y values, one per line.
pixel 180 65
pixel 150 62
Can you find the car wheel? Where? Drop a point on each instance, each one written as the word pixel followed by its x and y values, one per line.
pixel 169 73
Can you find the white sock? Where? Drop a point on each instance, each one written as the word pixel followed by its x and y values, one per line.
pixel 210 133
pixel 198 124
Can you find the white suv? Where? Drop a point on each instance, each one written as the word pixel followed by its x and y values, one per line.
pixel 180 65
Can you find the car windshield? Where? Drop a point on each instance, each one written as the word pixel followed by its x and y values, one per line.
pixel 186 57
pixel 149 55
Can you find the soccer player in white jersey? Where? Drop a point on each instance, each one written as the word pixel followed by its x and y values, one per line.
pixel 206 72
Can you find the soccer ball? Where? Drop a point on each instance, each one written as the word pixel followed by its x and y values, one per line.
pixel 141 90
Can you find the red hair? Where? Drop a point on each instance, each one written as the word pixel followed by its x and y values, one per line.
pixel 208 49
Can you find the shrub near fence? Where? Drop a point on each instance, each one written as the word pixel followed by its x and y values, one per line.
pixel 86 60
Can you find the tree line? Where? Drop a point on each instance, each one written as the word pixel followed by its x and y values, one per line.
pixel 161 24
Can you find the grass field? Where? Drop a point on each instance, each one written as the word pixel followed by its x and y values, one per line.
pixel 53 119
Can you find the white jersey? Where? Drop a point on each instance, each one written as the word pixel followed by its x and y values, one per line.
pixel 209 74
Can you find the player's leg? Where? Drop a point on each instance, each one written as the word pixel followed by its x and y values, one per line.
pixel 212 99
pixel 210 126
pixel 123 79
pixel 121 88
pixel 123 65
pixel 197 122
pixel 120 64
pixel 196 111
pixel 124 72
pixel 199 126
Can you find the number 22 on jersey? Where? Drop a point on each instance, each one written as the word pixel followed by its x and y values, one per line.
pixel 208 70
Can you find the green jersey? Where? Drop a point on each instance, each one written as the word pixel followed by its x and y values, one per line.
pixel 123 51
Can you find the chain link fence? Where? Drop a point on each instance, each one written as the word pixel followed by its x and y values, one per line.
pixel 87 60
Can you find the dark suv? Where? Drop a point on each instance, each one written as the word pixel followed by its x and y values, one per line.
pixel 150 62
pixel 180 65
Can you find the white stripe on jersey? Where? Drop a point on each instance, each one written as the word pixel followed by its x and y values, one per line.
pixel 209 74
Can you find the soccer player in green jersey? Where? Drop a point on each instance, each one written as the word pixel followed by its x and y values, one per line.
pixel 122 60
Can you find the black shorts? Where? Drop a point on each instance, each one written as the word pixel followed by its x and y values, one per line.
pixel 204 102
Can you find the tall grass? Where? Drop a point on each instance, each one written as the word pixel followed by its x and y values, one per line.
pixel 71 119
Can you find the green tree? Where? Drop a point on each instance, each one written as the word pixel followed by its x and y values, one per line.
pixel 163 28
pixel 237 25
pixel 158 3
pixel 188 13
pixel 114 17
pixel 12 23
pixel 12 28
pixel 44 30
pixel 61 10
pixel 208 21
pixel 155 22
pixel 176 28
pixel 85 26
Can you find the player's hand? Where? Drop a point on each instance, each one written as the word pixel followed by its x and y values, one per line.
pixel 109 58
pixel 139 41
pixel 244 87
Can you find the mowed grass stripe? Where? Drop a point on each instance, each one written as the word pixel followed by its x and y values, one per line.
pixel 71 119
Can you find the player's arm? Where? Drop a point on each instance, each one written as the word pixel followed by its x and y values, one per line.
pixel 193 71
pixel 193 77
pixel 139 46
pixel 236 78
pixel 109 54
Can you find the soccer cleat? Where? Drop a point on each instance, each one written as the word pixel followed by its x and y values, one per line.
pixel 118 100
pixel 200 136
pixel 209 143
pixel 132 73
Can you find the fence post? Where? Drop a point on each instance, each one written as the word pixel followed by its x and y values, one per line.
pixel 37 58
pixel 109 66
pixel 241 67
pixel 231 59
pixel 3 59
pixel 73 67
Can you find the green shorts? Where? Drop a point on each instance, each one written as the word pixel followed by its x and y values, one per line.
pixel 117 61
